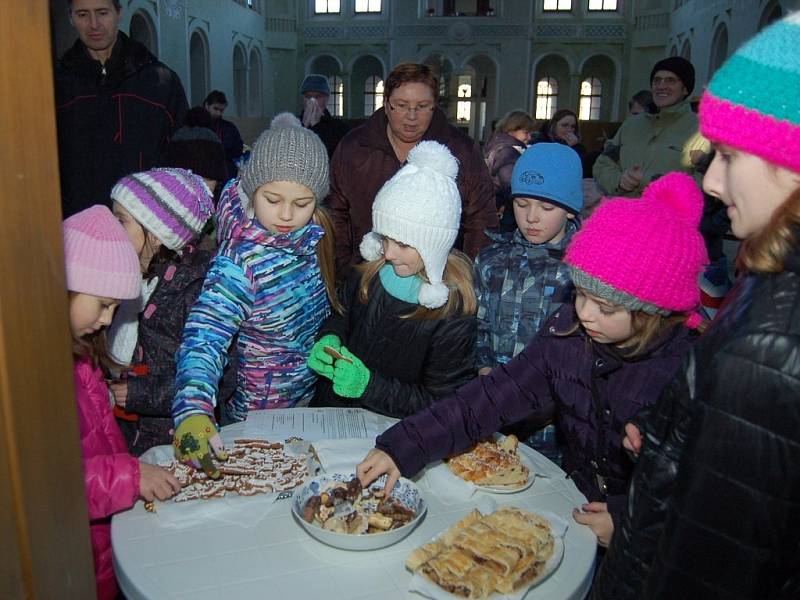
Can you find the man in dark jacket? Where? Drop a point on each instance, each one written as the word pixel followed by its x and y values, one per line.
pixel 215 104
pixel 116 106
pixel 316 90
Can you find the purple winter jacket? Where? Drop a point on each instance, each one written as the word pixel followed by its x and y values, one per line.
pixel 558 376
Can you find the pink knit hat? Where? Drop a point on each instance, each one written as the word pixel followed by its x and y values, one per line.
pixel 644 254
pixel 100 258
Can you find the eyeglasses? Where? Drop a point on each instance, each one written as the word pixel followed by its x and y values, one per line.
pixel 401 108
pixel 666 81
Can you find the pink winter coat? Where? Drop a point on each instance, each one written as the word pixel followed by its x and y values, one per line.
pixel 111 473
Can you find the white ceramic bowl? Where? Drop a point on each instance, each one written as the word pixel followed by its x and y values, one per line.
pixel 404 490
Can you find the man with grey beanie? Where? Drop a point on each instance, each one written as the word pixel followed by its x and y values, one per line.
pixel 315 115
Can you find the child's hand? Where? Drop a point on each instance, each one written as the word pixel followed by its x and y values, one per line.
pixel 484 371
pixel 156 482
pixel 318 360
pixel 195 439
pixel 350 379
pixel 375 464
pixel 633 439
pixel 119 389
pixel 596 516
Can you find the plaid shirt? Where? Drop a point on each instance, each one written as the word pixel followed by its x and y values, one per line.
pixel 518 285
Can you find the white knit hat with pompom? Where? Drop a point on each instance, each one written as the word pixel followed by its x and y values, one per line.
pixel 420 207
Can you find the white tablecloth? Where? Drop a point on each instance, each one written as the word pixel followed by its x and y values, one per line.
pixel 272 557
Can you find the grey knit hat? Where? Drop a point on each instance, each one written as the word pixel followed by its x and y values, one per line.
pixel 287 151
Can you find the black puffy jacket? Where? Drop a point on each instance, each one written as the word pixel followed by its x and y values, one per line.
pixel 714 504
pixel 412 362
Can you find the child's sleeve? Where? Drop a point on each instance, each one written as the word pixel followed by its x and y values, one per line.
pixel 216 317
pixel 508 394
pixel 112 483
pixel 485 354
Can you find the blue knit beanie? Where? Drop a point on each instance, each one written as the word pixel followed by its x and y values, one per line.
pixel 550 172
pixel 315 83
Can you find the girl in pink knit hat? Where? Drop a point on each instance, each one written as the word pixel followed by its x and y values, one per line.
pixel 102 270
pixel 595 363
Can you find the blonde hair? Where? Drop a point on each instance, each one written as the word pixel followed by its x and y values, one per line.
pixel 457 276
pixel 766 252
pixel 326 256
pixel 514 120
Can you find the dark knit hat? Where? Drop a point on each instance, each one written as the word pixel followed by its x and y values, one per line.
pixel 198 150
pixel 316 83
pixel 678 65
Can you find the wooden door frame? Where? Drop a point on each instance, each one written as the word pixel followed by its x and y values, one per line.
pixel 44 539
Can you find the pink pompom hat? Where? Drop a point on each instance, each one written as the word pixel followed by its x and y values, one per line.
pixel 644 254
pixel 100 259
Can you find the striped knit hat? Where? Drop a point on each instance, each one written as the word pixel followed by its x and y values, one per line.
pixel 172 204
pixel 644 254
pixel 99 258
pixel 752 101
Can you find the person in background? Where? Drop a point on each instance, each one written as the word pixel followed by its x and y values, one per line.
pixel 648 146
pixel 520 278
pixel 102 270
pixel 641 101
pixel 562 128
pixel 215 104
pixel 715 495
pixel 116 106
pixel 407 325
pixel 510 139
pixel 163 212
pixel 371 154
pixel 315 115
pixel 270 286
pixel 595 363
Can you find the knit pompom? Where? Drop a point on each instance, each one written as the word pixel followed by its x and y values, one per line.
pixel 285 119
pixel 371 246
pixel 433 295
pixel 434 156
pixel 680 192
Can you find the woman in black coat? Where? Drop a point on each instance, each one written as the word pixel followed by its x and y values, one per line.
pixel 714 504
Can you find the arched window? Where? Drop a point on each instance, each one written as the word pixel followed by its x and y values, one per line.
pixel 254 79
pixel 464 107
pixel 546 97
pixel 673 51
pixel 326 7
pixel 373 94
pixel 591 97
pixel 335 103
pixel 239 80
pixel 719 49
pixel 772 12
pixel 198 67
pixel 143 31
pixel 686 50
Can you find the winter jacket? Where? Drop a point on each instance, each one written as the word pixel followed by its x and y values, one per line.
pixel 412 362
pixel 590 389
pixel 330 130
pixel 365 160
pixel 518 285
pixel 716 491
pixel 267 287
pixel 502 152
pixel 232 143
pixel 110 472
pixel 113 119
pixel 659 143
pixel 151 382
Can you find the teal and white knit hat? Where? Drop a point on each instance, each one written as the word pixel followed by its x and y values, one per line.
pixel 753 100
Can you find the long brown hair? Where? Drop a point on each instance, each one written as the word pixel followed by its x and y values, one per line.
pixel 92 346
pixel 457 276
pixel 326 256
pixel 766 252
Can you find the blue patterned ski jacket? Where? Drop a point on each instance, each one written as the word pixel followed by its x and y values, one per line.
pixel 268 289
pixel 518 285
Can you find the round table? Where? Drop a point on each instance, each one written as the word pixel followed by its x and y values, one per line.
pixel 268 555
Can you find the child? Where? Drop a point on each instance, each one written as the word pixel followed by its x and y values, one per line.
pixel 271 283
pixel 163 212
pixel 407 329
pixel 520 279
pixel 102 269
pixel 594 365
pixel 716 491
